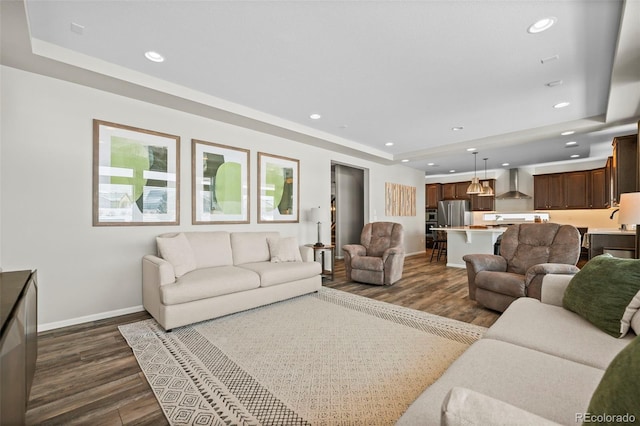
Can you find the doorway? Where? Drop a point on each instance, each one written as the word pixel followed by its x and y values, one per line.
pixel 349 201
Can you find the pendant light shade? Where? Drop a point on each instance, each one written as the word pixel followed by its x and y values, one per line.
pixel 487 191
pixel 475 187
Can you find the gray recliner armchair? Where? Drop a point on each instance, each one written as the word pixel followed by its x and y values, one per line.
pixel 527 253
pixel 379 258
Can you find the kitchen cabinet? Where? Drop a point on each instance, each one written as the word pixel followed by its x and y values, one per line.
pixel 599 189
pixel 618 244
pixel 432 195
pixel 548 191
pixel 455 191
pixel 484 203
pixel 583 189
pixel 624 167
pixel 576 189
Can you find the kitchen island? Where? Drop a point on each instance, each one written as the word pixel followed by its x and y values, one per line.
pixel 463 240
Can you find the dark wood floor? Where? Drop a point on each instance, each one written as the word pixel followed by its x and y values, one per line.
pixel 86 374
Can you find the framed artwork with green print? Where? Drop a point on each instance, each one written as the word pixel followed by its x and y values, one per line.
pixel 219 183
pixel 136 176
pixel 278 189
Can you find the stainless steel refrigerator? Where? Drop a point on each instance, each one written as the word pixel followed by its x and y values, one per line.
pixel 454 213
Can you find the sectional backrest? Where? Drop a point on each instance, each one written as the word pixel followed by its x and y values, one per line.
pixel 249 247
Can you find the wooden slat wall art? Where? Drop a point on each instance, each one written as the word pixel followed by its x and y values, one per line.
pixel 400 200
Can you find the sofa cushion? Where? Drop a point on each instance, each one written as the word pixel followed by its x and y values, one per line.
pixel 211 248
pixel 279 273
pixel 251 247
pixel 619 390
pixel 501 282
pixel 208 282
pixel 464 407
pixel 284 249
pixel 606 292
pixel 545 385
pixel 635 323
pixel 556 331
pixel 175 249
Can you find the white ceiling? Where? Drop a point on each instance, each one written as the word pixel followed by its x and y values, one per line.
pixel 377 71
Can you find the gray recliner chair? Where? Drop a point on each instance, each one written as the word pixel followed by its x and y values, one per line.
pixel 379 258
pixel 527 253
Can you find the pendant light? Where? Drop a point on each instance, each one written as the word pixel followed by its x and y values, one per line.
pixel 487 191
pixel 475 187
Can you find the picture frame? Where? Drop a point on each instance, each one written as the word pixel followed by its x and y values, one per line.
pixel 219 183
pixel 278 189
pixel 136 176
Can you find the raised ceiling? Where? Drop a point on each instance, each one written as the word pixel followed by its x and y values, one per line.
pixel 377 71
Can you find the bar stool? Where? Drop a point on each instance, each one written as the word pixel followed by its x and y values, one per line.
pixel 439 245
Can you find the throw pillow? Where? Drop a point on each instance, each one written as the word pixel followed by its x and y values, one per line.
pixel 284 249
pixel 615 400
pixel 177 251
pixel 606 292
pixel 635 323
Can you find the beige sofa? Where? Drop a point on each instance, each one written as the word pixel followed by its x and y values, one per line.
pixel 203 275
pixel 538 364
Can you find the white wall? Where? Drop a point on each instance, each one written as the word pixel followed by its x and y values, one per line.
pixel 88 272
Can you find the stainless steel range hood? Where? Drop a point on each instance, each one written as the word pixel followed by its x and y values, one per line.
pixel 514 193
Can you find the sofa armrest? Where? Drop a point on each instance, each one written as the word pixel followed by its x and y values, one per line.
pixel 485 262
pixel 355 250
pixel 306 253
pixel 549 268
pixel 392 251
pixel 464 407
pixel 481 262
pixel 157 271
pixel 553 288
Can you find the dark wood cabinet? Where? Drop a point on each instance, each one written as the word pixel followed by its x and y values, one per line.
pixel 479 203
pixel 455 191
pixel 576 189
pixel 624 167
pixel 599 189
pixel 548 191
pixel 432 195
pixel 583 189
pixel 18 343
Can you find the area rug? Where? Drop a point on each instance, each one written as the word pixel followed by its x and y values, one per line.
pixel 322 359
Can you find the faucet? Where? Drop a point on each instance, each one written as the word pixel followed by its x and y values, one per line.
pixel 613 213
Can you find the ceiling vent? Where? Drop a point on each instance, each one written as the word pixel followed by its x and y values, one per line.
pixel 514 193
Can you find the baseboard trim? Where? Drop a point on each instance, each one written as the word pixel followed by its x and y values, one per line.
pixel 89 318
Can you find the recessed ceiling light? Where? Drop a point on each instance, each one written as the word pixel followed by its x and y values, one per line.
pixel 77 28
pixel 452 171
pixel 471 149
pixel 315 116
pixel 561 105
pixel 457 128
pixel 542 25
pixel 154 56
pixel 549 59
pixel 405 160
pixel 505 164
pixel 567 133
pixel 575 156
pixel 554 83
pixel 431 164
pixel 388 144
pixel 572 143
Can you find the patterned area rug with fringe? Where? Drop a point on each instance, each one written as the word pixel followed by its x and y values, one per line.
pixel 322 359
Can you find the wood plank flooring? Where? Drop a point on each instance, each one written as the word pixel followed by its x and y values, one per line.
pixel 87 374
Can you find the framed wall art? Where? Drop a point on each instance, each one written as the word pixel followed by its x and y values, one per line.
pixel 136 176
pixel 219 183
pixel 399 200
pixel 278 189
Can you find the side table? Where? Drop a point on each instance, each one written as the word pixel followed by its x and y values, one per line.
pixel 321 250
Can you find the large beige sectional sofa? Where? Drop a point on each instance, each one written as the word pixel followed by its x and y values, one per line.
pixel 538 364
pixel 203 275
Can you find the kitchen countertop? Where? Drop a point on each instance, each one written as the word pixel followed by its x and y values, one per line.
pixel 467 229
pixel 609 231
